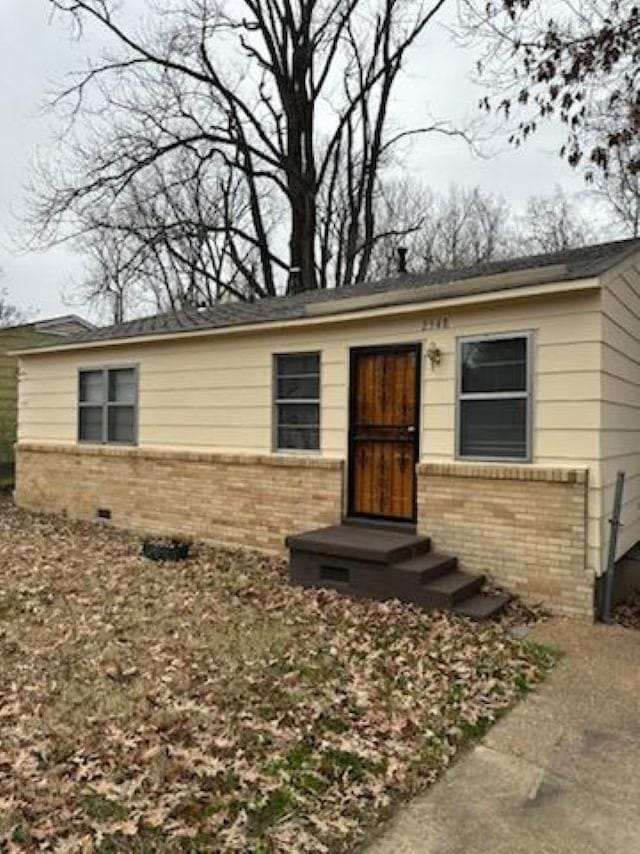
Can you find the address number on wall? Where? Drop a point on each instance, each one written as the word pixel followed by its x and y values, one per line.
pixel 439 322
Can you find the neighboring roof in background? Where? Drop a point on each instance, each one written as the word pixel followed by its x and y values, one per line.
pixel 570 265
pixel 70 324
pixel 63 326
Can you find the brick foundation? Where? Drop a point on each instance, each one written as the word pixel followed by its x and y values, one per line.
pixel 237 500
pixel 522 525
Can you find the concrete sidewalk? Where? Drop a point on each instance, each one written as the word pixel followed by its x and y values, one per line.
pixel 561 773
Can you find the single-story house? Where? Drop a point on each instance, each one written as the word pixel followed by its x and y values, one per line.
pixel 489 408
pixel 12 337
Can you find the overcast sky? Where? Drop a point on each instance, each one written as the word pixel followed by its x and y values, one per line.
pixel 36 51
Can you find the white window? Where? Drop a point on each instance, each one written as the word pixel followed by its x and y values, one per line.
pixel 107 405
pixel 494 397
pixel 297 401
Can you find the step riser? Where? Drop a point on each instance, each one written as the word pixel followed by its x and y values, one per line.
pixel 431 573
pixel 365 579
pixel 482 607
pixel 382 593
pixel 433 599
pixel 420 548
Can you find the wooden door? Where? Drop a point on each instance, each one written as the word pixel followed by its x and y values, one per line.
pixel 384 432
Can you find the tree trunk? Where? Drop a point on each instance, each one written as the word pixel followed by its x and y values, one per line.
pixel 302 194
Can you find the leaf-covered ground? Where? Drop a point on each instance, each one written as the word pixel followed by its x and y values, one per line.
pixel 627 613
pixel 210 706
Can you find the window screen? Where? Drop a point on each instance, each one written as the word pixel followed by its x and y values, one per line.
pixel 297 401
pixel 494 398
pixel 107 406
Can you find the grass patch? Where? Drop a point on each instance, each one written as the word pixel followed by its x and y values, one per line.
pixel 99 808
pixel 271 809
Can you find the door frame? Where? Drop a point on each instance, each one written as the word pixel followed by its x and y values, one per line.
pixel 354 352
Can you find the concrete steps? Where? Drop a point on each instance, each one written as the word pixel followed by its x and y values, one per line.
pixel 387 562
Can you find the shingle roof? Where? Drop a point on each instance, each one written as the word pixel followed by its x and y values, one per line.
pixel 569 265
pixel 68 324
pixel 65 325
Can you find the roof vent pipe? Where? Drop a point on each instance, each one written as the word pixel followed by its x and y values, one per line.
pixel 402 259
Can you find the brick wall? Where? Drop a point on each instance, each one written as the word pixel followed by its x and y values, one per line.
pixel 238 500
pixel 524 526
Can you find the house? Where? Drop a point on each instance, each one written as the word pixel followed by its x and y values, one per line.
pixel 487 409
pixel 12 337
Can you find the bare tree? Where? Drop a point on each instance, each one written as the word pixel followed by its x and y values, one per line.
pixel 553 224
pixel 466 227
pixel 469 227
pixel 578 63
pixel 10 314
pixel 170 242
pixel 452 231
pixel 403 209
pixel 274 108
pixel 110 276
pixel 619 189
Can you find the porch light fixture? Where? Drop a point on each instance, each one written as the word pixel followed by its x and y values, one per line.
pixel 434 355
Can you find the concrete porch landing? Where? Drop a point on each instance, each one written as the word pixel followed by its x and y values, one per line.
pixel 559 775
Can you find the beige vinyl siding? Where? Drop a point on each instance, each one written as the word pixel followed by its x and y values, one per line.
pixel 566 387
pixel 621 399
pixel 215 393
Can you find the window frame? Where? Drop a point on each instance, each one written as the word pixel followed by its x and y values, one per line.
pixel 276 402
pixel 105 404
pixel 527 395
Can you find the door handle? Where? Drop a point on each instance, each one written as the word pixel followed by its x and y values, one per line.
pixel 411 429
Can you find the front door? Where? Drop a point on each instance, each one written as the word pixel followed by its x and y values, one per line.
pixel 384 431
